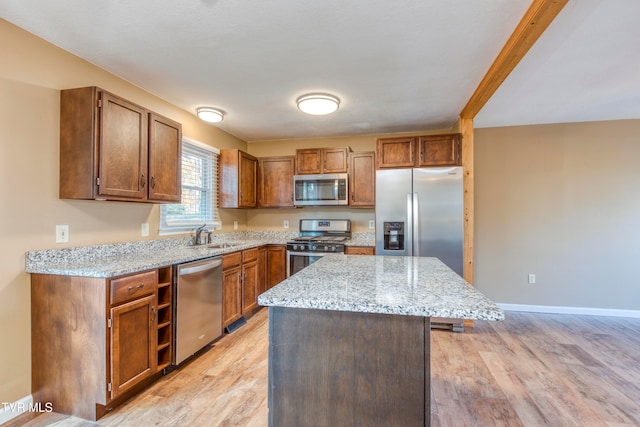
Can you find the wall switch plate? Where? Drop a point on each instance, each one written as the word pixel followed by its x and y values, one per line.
pixel 144 229
pixel 285 223
pixel 532 279
pixel 372 224
pixel 62 233
pixel 235 225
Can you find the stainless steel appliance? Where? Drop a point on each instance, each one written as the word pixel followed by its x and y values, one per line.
pixel 198 306
pixel 419 212
pixel 318 237
pixel 320 190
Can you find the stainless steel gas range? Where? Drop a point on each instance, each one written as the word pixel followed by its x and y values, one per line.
pixel 318 237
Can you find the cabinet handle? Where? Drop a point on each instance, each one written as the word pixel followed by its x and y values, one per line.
pixel 153 314
pixel 143 180
pixel 133 288
pixel 422 156
pixel 152 182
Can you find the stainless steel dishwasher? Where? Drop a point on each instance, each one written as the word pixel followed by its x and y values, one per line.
pixel 198 306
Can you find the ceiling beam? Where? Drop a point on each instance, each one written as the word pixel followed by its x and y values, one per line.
pixel 534 22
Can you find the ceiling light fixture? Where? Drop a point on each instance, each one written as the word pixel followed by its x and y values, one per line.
pixel 318 104
pixel 209 114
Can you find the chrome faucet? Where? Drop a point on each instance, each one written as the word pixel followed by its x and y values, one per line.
pixel 199 231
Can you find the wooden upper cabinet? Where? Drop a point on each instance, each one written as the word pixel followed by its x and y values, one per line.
pixel 276 182
pixel 238 176
pixel 439 150
pixel 362 178
pixel 123 148
pixel 418 151
pixel 165 159
pixel 108 146
pixel 321 160
pixel 334 160
pixel 395 152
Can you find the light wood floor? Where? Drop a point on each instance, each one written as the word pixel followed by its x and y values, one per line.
pixel 530 370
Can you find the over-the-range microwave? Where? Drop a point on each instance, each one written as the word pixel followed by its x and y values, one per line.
pixel 321 190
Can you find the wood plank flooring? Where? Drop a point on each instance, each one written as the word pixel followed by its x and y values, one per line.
pixel 530 370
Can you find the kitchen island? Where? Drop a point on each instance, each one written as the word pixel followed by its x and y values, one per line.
pixel 349 339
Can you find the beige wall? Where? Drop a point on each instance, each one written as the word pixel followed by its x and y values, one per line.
pixel 560 201
pixel 31 76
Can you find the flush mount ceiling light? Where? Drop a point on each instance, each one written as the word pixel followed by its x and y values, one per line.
pixel 318 104
pixel 209 114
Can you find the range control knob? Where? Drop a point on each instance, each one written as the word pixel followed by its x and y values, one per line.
pixel 326 248
pixel 314 247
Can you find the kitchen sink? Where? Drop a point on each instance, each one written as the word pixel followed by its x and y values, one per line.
pixel 224 245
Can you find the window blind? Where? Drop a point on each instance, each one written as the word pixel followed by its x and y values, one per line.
pixel 199 191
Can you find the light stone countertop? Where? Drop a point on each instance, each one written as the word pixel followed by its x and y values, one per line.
pixel 412 286
pixel 117 259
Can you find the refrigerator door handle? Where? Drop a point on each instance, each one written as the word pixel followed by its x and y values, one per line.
pixel 416 226
pixel 408 244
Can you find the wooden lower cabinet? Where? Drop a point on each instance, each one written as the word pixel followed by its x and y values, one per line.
pixel 359 250
pixel 277 264
pixel 240 284
pixel 231 288
pixel 95 342
pixel 250 273
pixel 132 344
pixel 262 269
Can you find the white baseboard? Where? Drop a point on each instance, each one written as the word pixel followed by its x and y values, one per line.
pixel 9 410
pixel 571 310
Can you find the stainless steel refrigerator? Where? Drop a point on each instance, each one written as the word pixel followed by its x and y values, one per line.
pixel 419 212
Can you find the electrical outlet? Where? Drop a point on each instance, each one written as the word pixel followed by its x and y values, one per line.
pixel 372 224
pixel 235 225
pixel 62 233
pixel 144 229
pixel 532 278
pixel 285 223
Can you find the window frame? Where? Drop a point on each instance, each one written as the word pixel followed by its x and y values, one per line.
pixel 190 226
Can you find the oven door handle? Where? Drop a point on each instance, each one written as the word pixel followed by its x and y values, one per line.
pixel 314 253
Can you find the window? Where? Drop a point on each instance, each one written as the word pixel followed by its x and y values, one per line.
pixel 199 190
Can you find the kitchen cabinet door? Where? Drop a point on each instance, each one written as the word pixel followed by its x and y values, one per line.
pixel 277 265
pixel 231 295
pixel 439 150
pixel 262 269
pixel 334 160
pixel 238 175
pixel 395 152
pixel 123 146
pixel 362 180
pixel 133 343
pixel 250 280
pixel 165 159
pixel 276 182
pixel 308 161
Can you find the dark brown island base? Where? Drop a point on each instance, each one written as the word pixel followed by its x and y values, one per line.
pixel 349 339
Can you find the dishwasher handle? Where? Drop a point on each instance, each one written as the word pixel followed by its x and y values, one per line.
pixel 210 265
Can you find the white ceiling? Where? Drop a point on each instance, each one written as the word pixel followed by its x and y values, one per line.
pixel 401 66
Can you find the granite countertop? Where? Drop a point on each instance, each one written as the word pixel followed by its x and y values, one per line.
pixel 111 260
pixel 412 286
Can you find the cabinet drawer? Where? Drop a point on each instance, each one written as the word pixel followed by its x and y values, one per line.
pixel 231 260
pixel 250 255
pixel 359 250
pixel 135 286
